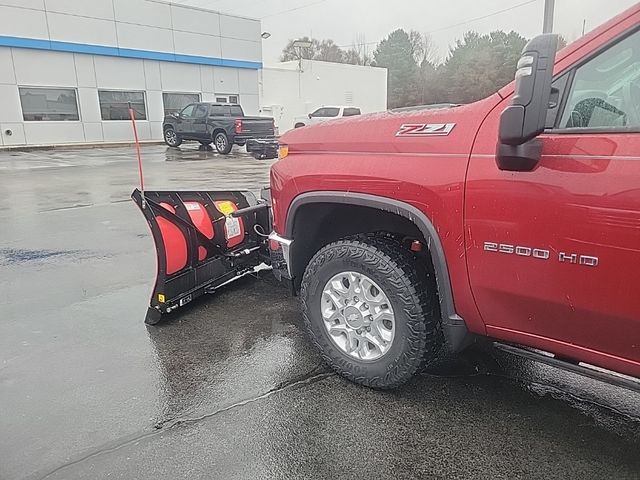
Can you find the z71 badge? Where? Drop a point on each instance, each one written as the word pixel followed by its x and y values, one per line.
pixel 425 129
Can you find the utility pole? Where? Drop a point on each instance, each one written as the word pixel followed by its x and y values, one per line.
pixel 549 6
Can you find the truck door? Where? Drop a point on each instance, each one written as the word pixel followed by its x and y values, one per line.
pixel 554 254
pixel 199 121
pixel 185 121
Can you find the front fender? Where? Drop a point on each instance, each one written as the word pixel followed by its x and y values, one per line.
pixel 454 327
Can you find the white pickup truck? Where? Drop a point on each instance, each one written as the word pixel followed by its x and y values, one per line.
pixel 325 113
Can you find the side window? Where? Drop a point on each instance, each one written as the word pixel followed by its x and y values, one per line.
pixel 350 112
pixel 201 111
pixel 217 111
pixel 605 93
pixel 331 112
pixel 326 112
pixel 187 111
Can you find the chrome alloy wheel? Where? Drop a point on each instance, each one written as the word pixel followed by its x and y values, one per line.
pixel 170 136
pixel 358 316
pixel 221 142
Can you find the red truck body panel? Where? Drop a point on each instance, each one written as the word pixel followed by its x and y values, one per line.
pixel 365 156
pixel 583 198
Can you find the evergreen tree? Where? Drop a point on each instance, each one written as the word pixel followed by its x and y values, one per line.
pixel 396 53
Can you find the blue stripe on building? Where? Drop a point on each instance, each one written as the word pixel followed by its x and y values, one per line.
pixel 56 46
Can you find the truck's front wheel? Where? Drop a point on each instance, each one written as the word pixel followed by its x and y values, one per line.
pixel 370 309
pixel 171 138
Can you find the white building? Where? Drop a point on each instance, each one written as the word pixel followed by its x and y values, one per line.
pixel 69 68
pixel 292 89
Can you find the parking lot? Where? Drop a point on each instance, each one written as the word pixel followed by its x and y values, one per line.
pixel 230 387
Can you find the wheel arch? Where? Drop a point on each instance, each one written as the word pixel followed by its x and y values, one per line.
pixel 168 125
pixel 218 130
pixel 455 329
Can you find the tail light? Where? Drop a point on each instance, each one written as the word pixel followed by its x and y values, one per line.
pixel 238 126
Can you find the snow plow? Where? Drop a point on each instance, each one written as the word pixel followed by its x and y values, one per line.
pixel 203 240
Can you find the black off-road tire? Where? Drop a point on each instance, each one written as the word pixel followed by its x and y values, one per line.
pixel 222 143
pixel 411 290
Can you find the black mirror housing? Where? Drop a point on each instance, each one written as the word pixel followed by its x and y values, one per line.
pixel 525 118
pixel 519 158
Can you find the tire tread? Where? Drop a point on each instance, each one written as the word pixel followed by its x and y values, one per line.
pixel 414 289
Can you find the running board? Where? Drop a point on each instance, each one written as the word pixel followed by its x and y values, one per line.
pixel 595 373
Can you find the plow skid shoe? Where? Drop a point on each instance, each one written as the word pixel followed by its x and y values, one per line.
pixel 202 240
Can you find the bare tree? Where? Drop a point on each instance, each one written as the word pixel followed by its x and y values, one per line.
pixel 328 51
pixel 323 50
pixel 562 42
pixel 359 54
pixel 423 48
pixel 295 53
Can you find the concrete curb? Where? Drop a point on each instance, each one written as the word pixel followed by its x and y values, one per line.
pixel 74 146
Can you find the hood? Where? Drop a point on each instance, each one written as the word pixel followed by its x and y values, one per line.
pixel 440 130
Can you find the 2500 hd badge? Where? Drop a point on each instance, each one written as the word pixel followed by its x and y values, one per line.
pixel 563 257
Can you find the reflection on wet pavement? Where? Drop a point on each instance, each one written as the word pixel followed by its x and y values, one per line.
pixel 230 387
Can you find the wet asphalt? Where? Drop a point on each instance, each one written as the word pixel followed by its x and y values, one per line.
pixel 230 387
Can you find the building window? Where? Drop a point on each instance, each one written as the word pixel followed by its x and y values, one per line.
pixel 174 102
pixel 222 98
pixel 114 105
pixel 48 104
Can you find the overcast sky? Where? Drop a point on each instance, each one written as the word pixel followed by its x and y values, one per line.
pixel 342 20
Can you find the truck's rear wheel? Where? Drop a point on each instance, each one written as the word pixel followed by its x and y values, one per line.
pixel 370 310
pixel 171 138
pixel 222 143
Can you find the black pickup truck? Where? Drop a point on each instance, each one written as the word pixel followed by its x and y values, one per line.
pixel 221 124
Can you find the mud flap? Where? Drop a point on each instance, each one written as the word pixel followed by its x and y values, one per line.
pixel 203 240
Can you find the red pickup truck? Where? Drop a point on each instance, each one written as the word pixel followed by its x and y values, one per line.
pixel 409 234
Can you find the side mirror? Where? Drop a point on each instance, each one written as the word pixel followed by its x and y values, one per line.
pixel 523 120
pixel 310 116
